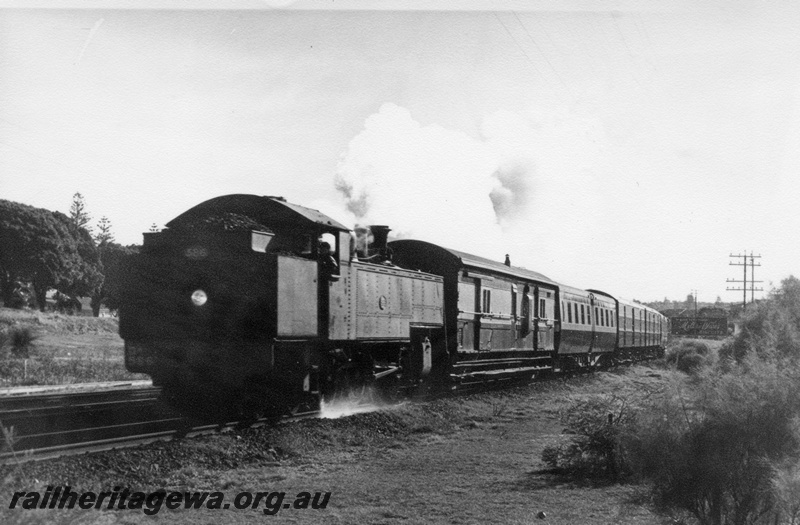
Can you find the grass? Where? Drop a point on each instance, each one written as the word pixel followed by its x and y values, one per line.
pixel 61 349
pixel 55 323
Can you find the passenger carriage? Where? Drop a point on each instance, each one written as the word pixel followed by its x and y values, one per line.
pixel 500 320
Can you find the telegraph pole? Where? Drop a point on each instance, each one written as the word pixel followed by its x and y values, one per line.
pixel 744 264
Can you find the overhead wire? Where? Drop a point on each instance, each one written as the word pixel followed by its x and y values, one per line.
pixel 518 45
pixel 542 53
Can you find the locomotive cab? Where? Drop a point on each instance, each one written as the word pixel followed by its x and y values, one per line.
pixel 218 301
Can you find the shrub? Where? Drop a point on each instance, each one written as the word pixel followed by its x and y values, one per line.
pixel 786 491
pixel 596 425
pixel 771 328
pixel 712 452
pixel 690 356
pixel 21 339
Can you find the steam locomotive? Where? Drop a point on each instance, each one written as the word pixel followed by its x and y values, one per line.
pixel 254 305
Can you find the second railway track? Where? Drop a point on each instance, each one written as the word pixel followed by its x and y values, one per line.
pixel 43 426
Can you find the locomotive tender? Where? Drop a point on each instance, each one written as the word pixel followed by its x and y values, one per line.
pixel 255 305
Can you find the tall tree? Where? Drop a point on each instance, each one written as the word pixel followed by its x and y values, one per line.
pixel 103 235
pixel 78 214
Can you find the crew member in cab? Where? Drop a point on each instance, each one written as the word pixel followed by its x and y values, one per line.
pixel 327 262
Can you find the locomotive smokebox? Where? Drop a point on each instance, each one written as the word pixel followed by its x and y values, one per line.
pixel 380 237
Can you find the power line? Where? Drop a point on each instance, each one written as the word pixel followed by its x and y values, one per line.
pixel 744 288
pixel 518 45
pixel 539 49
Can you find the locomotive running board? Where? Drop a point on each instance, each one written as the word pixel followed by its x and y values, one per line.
pixel 503 364
pixel 500 374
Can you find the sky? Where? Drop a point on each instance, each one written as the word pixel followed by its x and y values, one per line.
pixel 627 146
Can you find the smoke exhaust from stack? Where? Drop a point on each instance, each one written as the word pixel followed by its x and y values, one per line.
pixel 436 184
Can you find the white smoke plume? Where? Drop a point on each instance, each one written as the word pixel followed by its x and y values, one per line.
pixel 510 199
pixel 519 187
pixel 433 183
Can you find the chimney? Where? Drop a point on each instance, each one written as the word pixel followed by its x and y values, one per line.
pixel 380 237
pixel 508 260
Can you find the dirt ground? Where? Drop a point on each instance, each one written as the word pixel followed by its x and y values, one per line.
pixel 473 459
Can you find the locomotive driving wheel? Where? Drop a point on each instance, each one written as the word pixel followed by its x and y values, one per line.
pixel 349 380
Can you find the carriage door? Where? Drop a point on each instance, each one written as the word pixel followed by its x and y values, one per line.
pixel 545 318
pixel 526 334
pixel 468 316
pixel 515 324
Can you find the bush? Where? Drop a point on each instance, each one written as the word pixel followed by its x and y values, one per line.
pixel 21 340
pixel 771 328
pixel 786 491
pixel 596 425
pixel 712 452
pixel 690 356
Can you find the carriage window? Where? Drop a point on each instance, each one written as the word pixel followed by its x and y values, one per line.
pixel 487 301
pixel 596 316
pixel 569 312
pixel 542 309
pixel 588 314
pixel 583 316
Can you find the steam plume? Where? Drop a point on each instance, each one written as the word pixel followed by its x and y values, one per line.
pixel 399 172
pixel 511 198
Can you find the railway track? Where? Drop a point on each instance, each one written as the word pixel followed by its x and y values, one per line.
pixel 45 426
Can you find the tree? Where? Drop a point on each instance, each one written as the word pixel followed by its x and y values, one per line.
pixel 771 328
pixel 103 235
pixel 85 275
pixel 35 248
pixel 78 214
pixel 46 250
pixel 112 257
pixel 787 298
pixel 689 303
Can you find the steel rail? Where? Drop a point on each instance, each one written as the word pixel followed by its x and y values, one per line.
pixel 46 426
